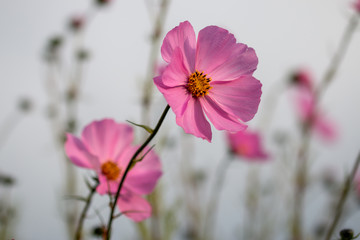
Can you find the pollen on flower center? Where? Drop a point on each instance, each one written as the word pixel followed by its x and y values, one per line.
pixel 110 170
pixel 198 84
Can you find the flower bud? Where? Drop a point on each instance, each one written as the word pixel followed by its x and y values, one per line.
pixel 301 78
pixel 76 23
pixel 102 2
pixel 346 234
pixel 82 55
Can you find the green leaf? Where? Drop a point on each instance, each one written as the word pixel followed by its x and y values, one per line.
pixel 148 129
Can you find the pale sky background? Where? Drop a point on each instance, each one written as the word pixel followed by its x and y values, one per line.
pixel 285 34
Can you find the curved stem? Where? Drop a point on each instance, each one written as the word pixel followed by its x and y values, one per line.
pixel 214 198
pixel 78 232
pixel 147 141
pixel 345 191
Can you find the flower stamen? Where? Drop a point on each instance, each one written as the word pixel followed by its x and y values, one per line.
pixel 110 170
pixel 198 84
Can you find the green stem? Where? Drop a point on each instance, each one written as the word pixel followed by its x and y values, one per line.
pixel 337 58
pixel 345 191
pixel 147 141
pixel 300 184
pixel 78 232
pixel 154 52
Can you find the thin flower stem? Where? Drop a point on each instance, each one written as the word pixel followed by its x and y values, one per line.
pixel 158 20
pixel 214 198
pixel 78 233
pixel 154 52
pixel 300 184
pixel 345 192
pixel 337 58
pixel 147 141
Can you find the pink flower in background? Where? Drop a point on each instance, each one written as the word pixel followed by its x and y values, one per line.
pixel 247 145
pixel 312 116
pixel 303 78
pixel 106 147
pixel 357 5
pixel 210 75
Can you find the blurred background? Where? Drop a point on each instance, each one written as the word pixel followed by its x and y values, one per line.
pixel 117 39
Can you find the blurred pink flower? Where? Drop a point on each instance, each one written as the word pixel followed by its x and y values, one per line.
pixel 314 117
pixel 303 78
pixel 357 6
pixel 247 145
pixel 106 147
pixel 209 76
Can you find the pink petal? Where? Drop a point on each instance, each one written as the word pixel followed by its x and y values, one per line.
pixel 78 153
pixel 219 118
pixel 141 179
pixel 240 97
pixel 193 120
pixel 176 97
pixel 239 64
pixel 124 158
pixel 142 182
pixel 256 148
pixel 325 127
pixel 175 74
pixel 219 56
pixel 106 186
pixel 247 145
pixel 134 206
pixel 305 103
pixel 183 37
pixel 172 84
pixel 144 176
pixel 106 139
pixel 151 161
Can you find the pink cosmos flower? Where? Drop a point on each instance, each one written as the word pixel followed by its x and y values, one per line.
pixel 314 117
pixel 210 75
pixel 106 147
pixel 247 145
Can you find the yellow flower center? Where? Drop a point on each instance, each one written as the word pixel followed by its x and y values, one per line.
pixel 110 170
pixel 198 84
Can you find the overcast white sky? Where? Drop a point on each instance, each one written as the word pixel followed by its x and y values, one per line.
pixel 285 34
